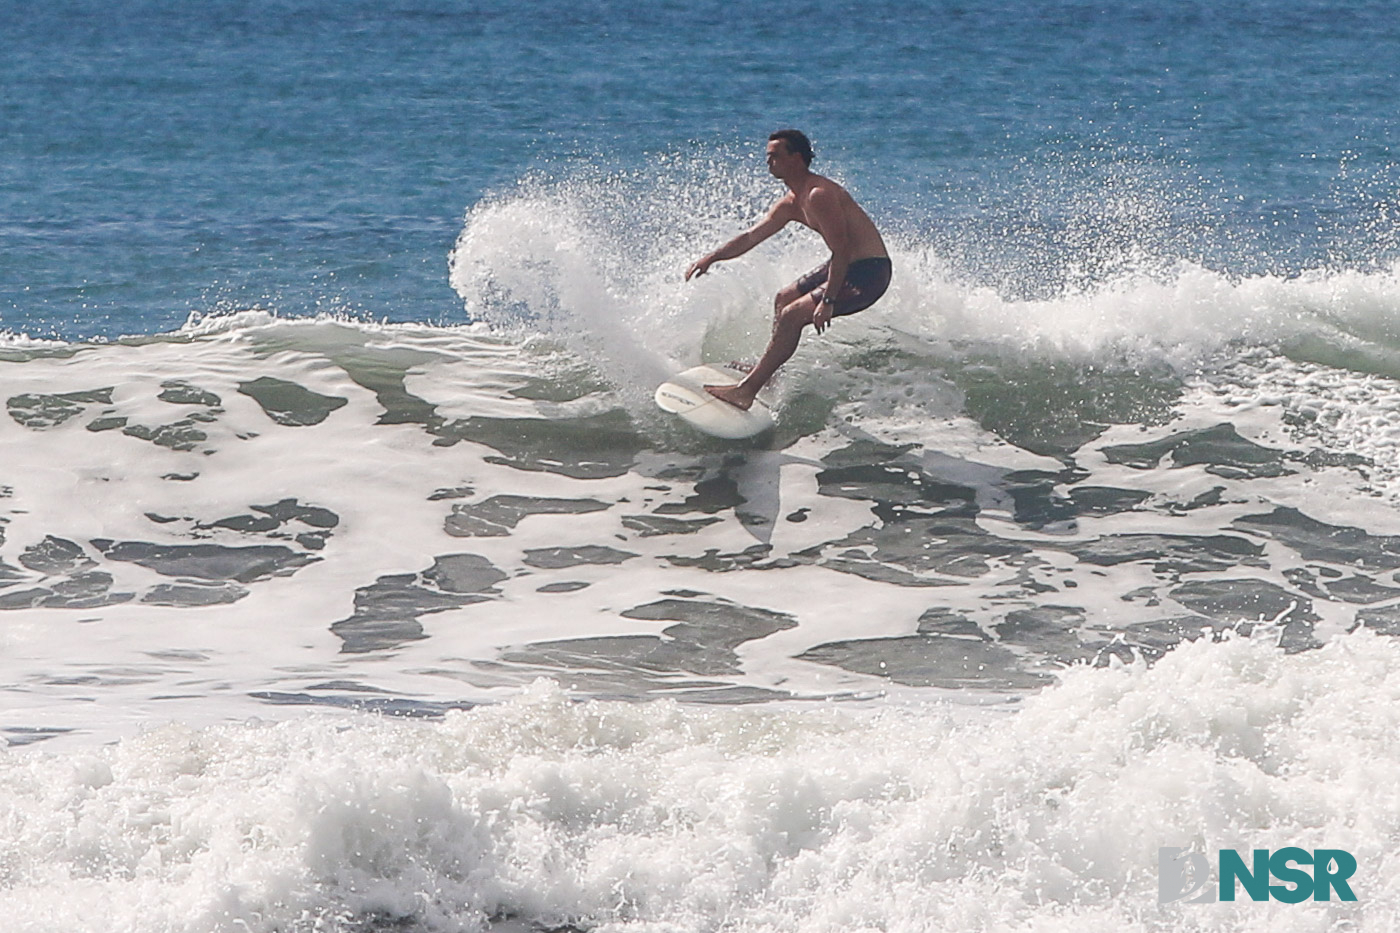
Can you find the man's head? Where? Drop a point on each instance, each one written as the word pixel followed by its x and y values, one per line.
pixel 785 148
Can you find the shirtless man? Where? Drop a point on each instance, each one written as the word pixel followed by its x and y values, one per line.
pixel 852 280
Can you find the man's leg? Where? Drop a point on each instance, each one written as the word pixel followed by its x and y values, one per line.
pixel 787 331
pixel 786 296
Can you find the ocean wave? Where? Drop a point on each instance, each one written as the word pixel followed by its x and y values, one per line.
pixel 412 517
pixel 565 257
pixel 614 816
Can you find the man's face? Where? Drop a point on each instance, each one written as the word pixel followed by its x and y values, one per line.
pixel 780 158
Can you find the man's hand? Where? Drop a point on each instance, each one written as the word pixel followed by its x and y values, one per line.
pixel 699 267
pixel 821 318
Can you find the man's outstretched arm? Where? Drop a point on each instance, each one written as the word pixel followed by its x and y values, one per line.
pixel 776 219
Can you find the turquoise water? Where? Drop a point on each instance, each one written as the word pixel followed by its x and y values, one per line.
pixel 162 158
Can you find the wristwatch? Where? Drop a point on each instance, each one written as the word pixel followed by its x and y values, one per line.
pixel 828 300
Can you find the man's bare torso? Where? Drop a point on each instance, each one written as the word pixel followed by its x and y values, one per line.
pixel 862 237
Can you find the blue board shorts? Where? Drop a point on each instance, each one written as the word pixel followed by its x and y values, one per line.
pixel 866 281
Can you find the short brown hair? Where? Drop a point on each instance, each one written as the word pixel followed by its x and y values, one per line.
pixel 796 141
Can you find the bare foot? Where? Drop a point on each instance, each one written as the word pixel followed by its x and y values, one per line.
pixel 734 395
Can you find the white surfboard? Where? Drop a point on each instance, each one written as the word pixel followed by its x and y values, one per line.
pixel 685 395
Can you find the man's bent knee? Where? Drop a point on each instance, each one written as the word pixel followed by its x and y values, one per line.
pixel 797 314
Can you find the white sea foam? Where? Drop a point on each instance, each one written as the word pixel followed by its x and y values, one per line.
pixel 617 816
pixel 548 258
pixel 103 669
pixel 11 340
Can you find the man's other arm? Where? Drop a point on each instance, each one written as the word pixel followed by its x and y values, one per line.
pixel 777 217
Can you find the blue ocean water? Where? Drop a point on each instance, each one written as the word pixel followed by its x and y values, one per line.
pixel 350 579
pixel 163 157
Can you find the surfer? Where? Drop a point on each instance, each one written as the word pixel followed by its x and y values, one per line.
pixel 852 280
